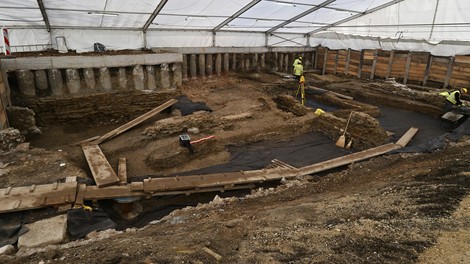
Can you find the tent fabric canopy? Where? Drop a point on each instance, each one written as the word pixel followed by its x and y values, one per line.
pixel 181 23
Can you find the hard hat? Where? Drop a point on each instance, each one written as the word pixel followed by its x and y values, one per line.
pixel 300 57
pixel 464 90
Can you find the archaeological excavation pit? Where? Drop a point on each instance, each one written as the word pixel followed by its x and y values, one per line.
pixel 234 131
pixel 116 133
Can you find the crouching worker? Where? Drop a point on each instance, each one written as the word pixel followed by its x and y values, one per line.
pixel 453 99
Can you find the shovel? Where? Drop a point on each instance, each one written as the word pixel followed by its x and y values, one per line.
pixel 341 142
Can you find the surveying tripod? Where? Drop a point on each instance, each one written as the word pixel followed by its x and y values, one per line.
pixel 301 89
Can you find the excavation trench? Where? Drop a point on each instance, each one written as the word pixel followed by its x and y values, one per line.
pixel 241 143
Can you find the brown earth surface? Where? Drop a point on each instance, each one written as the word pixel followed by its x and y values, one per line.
pixel 397 208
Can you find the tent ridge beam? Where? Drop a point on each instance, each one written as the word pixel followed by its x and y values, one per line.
pixel 44 15
pixel 304 4
pixel 357 16
pixel 313 9
pixel 237 14
pixel 154 14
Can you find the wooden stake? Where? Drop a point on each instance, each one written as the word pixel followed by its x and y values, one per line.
pixel 407 68
pixel 212 253
pixel 390 63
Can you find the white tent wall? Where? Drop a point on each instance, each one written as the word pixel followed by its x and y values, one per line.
pixel 22 40
pixel 337 41
pixel 240 39
pixel 83 40
pixel 451 21
pixel 160 39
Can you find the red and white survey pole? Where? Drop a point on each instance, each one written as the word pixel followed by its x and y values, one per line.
pixel 6 41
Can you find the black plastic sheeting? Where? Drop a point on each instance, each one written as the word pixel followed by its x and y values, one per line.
pixel 299 151
pixel 11 227
pixel 81 222
pixel 440 141
pixel 187 107
pixel 432 135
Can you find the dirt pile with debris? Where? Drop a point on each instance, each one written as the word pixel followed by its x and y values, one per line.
pixel 398 208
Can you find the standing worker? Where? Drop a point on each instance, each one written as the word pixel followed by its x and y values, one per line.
pixel 298 71
pixel 296 61
pixel 453 98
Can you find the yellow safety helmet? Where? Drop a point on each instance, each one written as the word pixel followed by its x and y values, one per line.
pixel 464 90
pixel 300 57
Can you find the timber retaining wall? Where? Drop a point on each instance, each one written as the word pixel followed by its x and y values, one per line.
pixel 405 66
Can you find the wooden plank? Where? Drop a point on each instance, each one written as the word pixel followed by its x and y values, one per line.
pixel 407 68
pixel 341 161
pixel 102 171
pixel 462 59
pixel 21 198
pixel 110 192
pixel 449 72
pixel 134 122
pixel 335 93
pixel 390 63
pixel 358 156
pixel 85 141
pixel 374 64
pixel 281 163
pixel 403 141
pixel 122 171
pixel 443 60
pixel 217 179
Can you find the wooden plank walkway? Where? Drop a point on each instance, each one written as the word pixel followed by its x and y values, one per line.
pixel 102 171
pixel 37 196
pixel 134 122
pixel 24 198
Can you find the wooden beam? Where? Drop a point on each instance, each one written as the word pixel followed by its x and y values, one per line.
pixel 325 58
pixel 315 58
pixel 122 171
pixel 348 58
pixel 335 93
pixel 110 192
pixel 449 72
pixel 134 122
pixel 358 156
pixel 428 69
pixel 390 63
pixel 359 68
pixel 374 64
pixel 407 67
pixel 102 171
pixel 336 62
pixel 80 194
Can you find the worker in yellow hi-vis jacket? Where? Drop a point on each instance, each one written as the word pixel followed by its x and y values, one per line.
pixel 453 98
pixel 298 71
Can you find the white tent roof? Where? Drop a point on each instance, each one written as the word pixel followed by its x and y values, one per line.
pixel 263 22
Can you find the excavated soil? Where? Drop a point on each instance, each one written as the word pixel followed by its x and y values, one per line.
pixel 397 208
